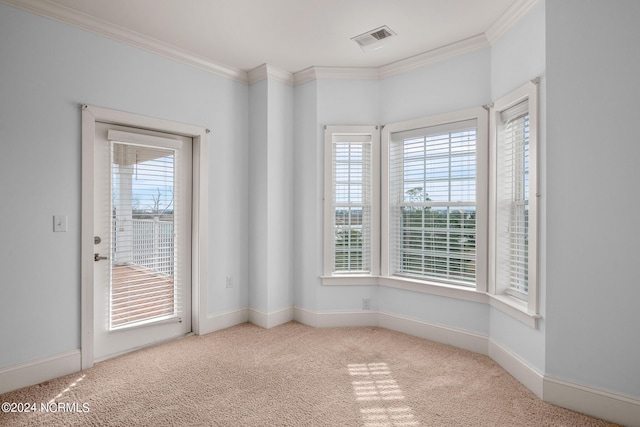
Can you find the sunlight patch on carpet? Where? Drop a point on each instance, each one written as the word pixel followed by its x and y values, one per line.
pixel 67 390
pixel 378 394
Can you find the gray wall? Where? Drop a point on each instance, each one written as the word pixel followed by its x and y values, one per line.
pixel 257 261
pixel 271 196
pixel 307 179
pixel 280 196
pixel 516 58
pixel 592 315
pixel 460 82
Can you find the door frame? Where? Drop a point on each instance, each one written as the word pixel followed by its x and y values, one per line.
pixel 199 224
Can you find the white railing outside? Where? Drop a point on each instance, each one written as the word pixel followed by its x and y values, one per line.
pixel 153 245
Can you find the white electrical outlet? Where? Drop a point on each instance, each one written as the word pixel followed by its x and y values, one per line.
pixel 229 282
pixel 59 223
pixel 366 303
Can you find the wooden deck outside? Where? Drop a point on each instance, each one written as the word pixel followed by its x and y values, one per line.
pixel 140 294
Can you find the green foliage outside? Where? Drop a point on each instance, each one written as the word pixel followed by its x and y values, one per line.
pixel 437 242
pixel 348 249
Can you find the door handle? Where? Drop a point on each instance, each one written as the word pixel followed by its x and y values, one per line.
pixel 97 257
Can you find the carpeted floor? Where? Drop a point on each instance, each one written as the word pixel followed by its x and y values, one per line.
pixel 292 375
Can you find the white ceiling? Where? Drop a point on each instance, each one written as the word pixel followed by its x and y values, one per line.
pixel 288 34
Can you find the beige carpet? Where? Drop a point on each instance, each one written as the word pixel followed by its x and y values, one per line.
pixel 293 375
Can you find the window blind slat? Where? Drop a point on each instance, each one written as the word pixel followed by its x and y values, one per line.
pixel 518 110
pixel 433 132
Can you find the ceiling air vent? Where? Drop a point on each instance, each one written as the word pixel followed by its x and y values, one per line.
pixel 374 39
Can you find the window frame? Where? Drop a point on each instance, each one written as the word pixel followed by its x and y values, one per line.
pixel 433 173
pixel 328 233
pixel 499 291
pixel 482 152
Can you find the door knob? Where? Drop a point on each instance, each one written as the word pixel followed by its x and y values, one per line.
pixel 97 257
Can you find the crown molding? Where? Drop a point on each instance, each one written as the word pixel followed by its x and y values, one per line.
pixel 508 19
pixel 435 55
pixel 304 76
pixel 266 71
pixel 343 73
pixel 440 54
pixel 83 21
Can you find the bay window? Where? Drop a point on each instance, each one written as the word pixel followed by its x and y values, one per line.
pixel 445 204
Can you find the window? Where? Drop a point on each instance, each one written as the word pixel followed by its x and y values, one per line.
pixel 351 210
pixel 434 213
pixel 433 201
pixel 513 199
pixel 514 196
pixel 456 195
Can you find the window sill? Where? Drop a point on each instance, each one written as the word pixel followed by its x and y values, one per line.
pixel 515 308
pixel 414 285
pixel 441 289
pixel 350 280
pixel 507 304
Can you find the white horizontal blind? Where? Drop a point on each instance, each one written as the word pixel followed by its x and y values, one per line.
pixel 433 202
pixel 352 202
pixel 145 272
pixel 513 209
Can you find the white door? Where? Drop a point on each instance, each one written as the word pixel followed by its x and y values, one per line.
pixel 142 229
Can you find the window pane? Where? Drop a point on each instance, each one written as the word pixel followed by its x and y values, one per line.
pixel 436 214
pixel 516 188
pixel 352 210
pixel 348 239
pixel 143 277
pixel 438 242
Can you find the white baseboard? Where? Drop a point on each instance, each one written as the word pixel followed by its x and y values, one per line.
pixel 335 319
pixel 270 320
pixel 305 317
pixel 518 368
pixel 224 320
pixel 620 409
pixel 258 318
pixel 40 370
pixel 456 337
pixel 346 319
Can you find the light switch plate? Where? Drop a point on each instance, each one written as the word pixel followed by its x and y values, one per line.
pixel 59 223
